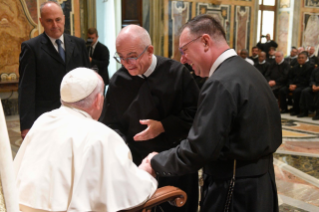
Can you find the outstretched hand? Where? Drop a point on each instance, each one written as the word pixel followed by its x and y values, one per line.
pixel 154 128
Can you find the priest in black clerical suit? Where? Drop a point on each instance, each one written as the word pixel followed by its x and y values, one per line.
pixel 262 65
pixel 237 126
pixel 99 55
pixel 277 73
pixel 298 79
pixel 292 58
pixel 44 60
pixel 255 55
pixel 151 102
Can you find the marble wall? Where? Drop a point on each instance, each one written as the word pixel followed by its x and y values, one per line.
pixel 309 24
pixel 237 18
pixel 284 31
pixel 16 26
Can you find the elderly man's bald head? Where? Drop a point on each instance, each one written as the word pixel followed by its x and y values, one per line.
pixel 134 33
pixel 279 56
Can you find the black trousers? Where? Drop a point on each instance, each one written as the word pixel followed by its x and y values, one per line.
pixel 283 95
pixel 251 194
pixel 189 184
pixel 306 99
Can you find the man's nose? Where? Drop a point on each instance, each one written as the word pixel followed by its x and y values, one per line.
pixel 183 59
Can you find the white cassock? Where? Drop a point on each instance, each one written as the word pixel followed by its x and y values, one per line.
pixel 70 162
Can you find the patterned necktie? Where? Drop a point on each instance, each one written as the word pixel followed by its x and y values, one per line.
pixel 60 49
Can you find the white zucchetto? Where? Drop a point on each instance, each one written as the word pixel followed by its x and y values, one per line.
pixel 78 84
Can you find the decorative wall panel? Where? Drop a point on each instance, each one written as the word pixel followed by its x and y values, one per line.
pixel 310 29
pixel 179 13
pixel 283 31
pixel 15 27
pixel 220 12
pixel 311 3
pixel 242 27
pixel 284 4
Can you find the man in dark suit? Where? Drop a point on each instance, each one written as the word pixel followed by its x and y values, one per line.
pixel 44 60
pixel 312 57
pixel 266 46
pixel 99 55
pixel 222 138
pixel 292 58
pixel 255 54
pixel 262 65
pixel 277 73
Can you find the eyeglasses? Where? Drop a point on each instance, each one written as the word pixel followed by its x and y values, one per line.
pixel 128 59
pixel 181 48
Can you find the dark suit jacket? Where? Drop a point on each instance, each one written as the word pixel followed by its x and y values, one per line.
pixel 266 46
pixel 233 98
pixel 101 59
pixel 41 71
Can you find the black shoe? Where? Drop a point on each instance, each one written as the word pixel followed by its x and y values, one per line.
pixel 294 113
pixel 284 111
pixel 316 117
pixel 303 114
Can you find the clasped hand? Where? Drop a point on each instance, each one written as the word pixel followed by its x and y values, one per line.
pixel 146 164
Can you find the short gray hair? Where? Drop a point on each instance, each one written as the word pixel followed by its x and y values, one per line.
pixel 48 2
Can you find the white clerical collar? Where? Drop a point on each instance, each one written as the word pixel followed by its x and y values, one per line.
pixel 150 69
pixel 262 62
pixel 307 60
pixel 281 62
pixel 311 55
pixel 76 111
pixel 272 57
pixel 293 57
pixel 224 56
pixel 255 56
pixel 61 38
pixel 268 41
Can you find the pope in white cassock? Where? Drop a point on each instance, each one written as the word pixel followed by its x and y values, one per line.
pixel 70 162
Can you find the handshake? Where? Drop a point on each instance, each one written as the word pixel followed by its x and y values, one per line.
pixel 146 164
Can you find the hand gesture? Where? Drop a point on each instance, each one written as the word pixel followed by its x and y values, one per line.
pixel 154 128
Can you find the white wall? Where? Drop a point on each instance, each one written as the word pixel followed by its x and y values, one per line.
pixel 108 18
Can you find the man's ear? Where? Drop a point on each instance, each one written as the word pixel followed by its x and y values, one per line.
pixel 150 49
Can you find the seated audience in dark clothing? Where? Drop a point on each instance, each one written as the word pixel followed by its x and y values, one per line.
pixel 262 65
pixel 277 73
pixel 309 99
pixel 312 57
pixel 298 79
pixel 254 55
pixel 271 58
pixel 292 58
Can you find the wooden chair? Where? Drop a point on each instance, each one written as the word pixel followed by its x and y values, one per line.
pixel 171 194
